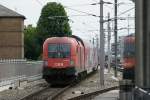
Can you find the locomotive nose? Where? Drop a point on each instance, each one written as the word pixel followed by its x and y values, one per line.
pixel 58 64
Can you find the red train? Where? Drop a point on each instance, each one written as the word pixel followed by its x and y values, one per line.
pixel 66 58
pixel 129 57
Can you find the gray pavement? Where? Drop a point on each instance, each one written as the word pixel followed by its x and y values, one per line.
pixel 111 95
pixel 90 85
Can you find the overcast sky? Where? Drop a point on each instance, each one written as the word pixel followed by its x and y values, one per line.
pixel 83 26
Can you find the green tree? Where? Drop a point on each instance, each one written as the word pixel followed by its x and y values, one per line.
pixel 53 22
pixel 31 45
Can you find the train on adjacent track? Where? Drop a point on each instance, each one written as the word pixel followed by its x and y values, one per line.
pixel 129 57
pixel 68 58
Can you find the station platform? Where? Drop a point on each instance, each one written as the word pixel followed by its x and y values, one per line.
pixel 111 95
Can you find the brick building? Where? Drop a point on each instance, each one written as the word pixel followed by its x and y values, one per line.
pixel 11 34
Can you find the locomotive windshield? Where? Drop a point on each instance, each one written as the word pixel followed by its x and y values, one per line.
pixel 129 49
pixel 58 50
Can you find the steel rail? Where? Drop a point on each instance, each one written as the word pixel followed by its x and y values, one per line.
pixel 47 93
pixel 89 96
pixel 54 96
pixel 33 94
pixel 52 93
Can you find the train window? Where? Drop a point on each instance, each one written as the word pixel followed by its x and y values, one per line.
pixel 129 49
pixel 58 50
pixel 52 48
pixel 64 47
pixel 64 50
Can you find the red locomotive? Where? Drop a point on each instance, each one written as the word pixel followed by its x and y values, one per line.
pixel 129 57
pixel 65 58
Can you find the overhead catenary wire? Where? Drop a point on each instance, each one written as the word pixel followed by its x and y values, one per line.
pixel 125 11
pixel 86 13
pixel 39 2
pixel 111 19
pixel 70 16
pixel 90 14
pixel 81 11
pixel 81 5
pixel 95 0
pixel 68 7
pixel 121 18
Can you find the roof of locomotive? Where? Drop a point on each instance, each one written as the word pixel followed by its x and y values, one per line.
pixel 72 39
pixel 129 39
pixel 60 40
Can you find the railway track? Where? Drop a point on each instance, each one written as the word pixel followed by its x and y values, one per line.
pixel 90 96
pixel 48 93
pixel 52 93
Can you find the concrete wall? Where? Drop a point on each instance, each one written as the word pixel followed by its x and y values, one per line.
pixel 11 38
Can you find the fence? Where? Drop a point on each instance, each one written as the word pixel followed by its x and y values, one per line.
pixel 12 70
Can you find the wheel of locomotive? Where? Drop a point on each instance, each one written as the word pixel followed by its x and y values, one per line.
pixel 79 76
pixel 84 74
pixel 48 80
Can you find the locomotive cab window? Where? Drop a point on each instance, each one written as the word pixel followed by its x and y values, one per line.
pixel 129 49
pixel 59 50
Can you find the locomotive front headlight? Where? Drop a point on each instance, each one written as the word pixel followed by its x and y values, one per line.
pixel 71 62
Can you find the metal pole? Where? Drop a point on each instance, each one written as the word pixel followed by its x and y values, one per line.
pixel 109 37
pixel 115 33
pixel 142 44
pixel 128 26
pixel 102 53
pixel 139 69
pixel 142 35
